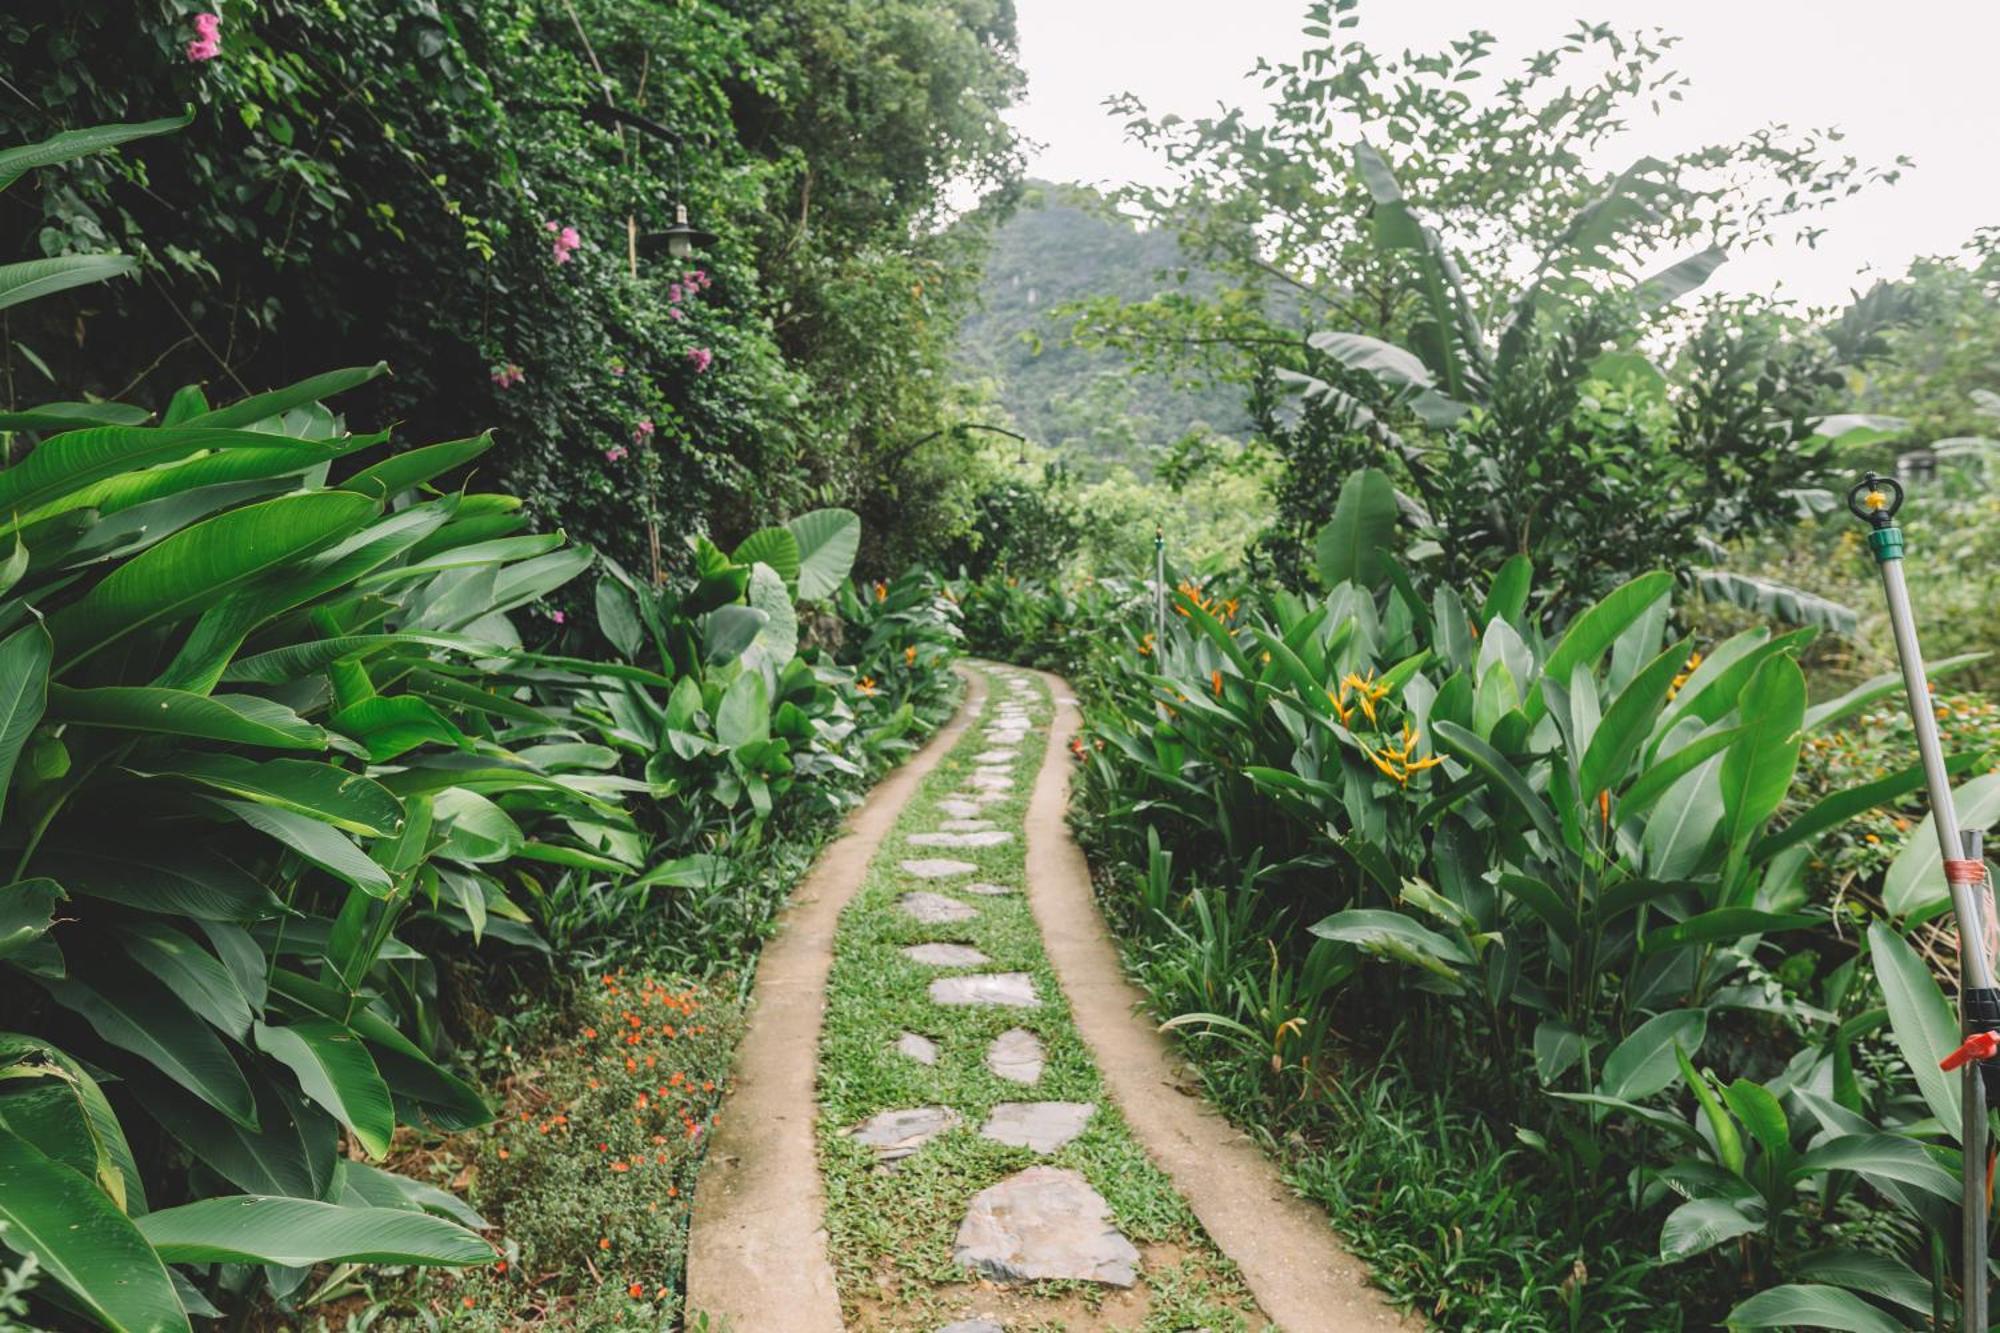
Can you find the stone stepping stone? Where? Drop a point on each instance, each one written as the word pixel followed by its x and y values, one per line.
pixel 997 757
pixel 990 781
pixel 957 808
pixel 988 890
pixel 894 1135
pixel 917 1047
pixel 1016 990
pixel 1015 1055
pixel 1044 1223
pixel 992 837
pixel 945 955
pixel 934 909
pixel 938 868
pixel 973 1326
pixel 1040 1126
pixel 966 825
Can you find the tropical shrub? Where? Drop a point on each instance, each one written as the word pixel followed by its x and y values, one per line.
pixel 1565 852
pixel 307 709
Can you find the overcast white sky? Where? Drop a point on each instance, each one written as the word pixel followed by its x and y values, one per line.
pixel 1916 77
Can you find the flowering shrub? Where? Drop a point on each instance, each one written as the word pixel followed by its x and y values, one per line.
pixel 588 1171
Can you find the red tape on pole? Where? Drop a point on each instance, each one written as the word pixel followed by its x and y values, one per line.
pixel 1965 872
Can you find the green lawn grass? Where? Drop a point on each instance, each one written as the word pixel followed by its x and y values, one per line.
pixel 891 1232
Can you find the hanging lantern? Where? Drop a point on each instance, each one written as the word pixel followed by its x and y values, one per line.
pixel 683 238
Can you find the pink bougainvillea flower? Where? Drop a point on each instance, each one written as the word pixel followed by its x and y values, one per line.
pixel 507 376
pixel 614 453
pixel 702 358
pixel 618 369
pixel 674 292
pixel 567 240
pixel 207 43
pixel 558 617
pixel 676 314
pixel 643 431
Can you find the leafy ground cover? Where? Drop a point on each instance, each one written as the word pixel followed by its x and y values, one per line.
pixel 891 1232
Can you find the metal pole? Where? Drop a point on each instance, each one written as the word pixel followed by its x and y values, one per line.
pixel 1877 499
pixel 1159 587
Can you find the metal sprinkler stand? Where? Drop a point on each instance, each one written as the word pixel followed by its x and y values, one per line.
pixel 1876 500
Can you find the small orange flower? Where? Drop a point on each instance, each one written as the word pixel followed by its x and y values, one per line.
pixel 866 685
pixel 708 1085
pixel 500 1267
pixel 910 655
pixel 604 1242
pixel 621 1167
pixel 881 592
pixel 468 1302
pixel 635 1291
pixel 503 1154
pixel 1215 681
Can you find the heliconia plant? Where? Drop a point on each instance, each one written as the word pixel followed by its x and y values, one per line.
pixel 1573 849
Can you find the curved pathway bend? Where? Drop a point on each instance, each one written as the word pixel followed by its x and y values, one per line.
pixel 757 1259
pixel 1288 1254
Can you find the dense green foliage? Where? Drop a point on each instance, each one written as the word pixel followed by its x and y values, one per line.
pixel 325 708
pixel 389 179
pixel 1551 872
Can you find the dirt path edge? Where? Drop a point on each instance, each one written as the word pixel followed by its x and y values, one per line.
pixel 757 1259
pixel 1293 1263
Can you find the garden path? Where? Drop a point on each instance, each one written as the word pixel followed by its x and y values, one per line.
pixel 1001 1142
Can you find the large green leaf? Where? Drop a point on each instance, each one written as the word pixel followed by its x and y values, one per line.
pixel 413 467
pixel 240 719
pixel 1355 545
pixel 27 909
pixel 41 277
pixel 1920 1018
pixel 191 972
pixel 393 725
pixel 1842 806
pixel 298 1233
pixel 1779 601
pixel 776 547
pixel 744 715
pixel 1395 936
pixel 1702 1224
pixel 1627 723
pixel 313 389
pixel 1886 1156
pixel 195 567
pixel 828 540
pixel 1757 767
pixel 171 881
pixel 1805 1305
pixel 1644 1062
pixel 135 1013
pixel 1503 776
pixel 334 1069
pixel 81 1239
pixel 66 463
pixel 52 1101
pixel 24 693
pixel 777 640
pixel 333 795
pixel 1915 883
pixel 318 843
pixel 293 1151
pixel 71 144
pixel 1591 634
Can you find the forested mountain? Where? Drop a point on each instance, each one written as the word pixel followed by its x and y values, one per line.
pixel 1063 245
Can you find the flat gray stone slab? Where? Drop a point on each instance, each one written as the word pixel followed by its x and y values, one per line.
pixel 992 837
pixel 1043 1223
pixel 894 1135
pixel 1015 1055
pixel 1016 990
pixel 966 825
pixel 917 1047
pixel 938 868
pixel 990 781
pixel 986 890
pixel 1040 1126
pixel 945 955
pixel 957 808
pixel 973 1326
pixel 934 909
pixel 996 757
